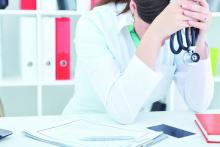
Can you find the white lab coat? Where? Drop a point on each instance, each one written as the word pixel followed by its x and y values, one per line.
pixel 111 78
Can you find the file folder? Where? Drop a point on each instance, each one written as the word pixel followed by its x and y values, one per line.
pixel 62 48
pixel 28 4
pixel 28 47
pixel 83 5
pixel 49 5
pixel 94 3
pixel 1 69
pixel 66 4
pixel 48 48
pixel 3 4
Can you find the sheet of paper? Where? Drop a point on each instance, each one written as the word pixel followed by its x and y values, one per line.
pixel 72 132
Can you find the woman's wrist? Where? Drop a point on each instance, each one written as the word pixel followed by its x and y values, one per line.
pixel 201 47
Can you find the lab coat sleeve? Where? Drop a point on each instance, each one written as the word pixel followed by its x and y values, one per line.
pixel 195 83
pixel 123 93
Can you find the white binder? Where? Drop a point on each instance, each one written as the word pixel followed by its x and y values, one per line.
pixel 1 69
pixel 83 5
pixel 28 47
pixel 49 5
pixel 48 48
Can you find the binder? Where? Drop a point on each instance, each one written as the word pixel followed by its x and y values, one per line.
pixel 83 5
pixel 62 48
pixel 66 4
pixel 28 4
pixel 28 48
pixel 94 3
pixel 3 4
pixel 1 69
pixel 49 5
pixel 48 49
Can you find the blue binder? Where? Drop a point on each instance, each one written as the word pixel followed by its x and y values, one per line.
pixel 3 4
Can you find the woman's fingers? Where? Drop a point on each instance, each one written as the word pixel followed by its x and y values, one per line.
pixel 197 16
pixel 199 25
pixel 194 6
pixel 202 3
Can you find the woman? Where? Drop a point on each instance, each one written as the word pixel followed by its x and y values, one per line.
pixel 115 76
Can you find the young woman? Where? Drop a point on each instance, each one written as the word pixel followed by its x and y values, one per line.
pixel 121 75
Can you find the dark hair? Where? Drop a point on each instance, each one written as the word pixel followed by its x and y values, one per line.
pixel 148 10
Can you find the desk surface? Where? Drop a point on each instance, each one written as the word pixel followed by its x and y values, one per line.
pixel 183 120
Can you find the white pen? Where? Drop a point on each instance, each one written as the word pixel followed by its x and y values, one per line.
pixel 106 138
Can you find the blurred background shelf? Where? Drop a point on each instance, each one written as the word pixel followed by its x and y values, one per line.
pixel 216 14
pixel 18 12
pixel 60 13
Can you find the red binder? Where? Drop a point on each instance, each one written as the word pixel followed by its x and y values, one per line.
pixel 209 125
pixel 62 48
pixel 28 4
pixel 94 3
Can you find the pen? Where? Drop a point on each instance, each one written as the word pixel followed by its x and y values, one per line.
pixel 153 141
pixel 106 138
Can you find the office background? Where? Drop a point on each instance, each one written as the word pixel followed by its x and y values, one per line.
pixel 22 96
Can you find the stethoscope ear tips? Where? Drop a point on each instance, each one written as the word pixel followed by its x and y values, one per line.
pixel 195 57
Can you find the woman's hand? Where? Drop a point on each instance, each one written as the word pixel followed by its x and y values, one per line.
pixel 198 10
pixel 171 20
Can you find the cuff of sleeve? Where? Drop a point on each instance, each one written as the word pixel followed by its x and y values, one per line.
pixel 201 63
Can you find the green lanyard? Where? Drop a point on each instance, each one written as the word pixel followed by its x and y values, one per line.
pixel 134 35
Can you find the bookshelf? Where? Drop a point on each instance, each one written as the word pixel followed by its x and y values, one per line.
pixel 38 97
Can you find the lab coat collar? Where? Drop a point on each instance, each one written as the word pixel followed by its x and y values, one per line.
pixel 124 19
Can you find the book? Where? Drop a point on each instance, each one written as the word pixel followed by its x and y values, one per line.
pixel 63 48
pixel 82 133
pixel 48 48
pixel 209 125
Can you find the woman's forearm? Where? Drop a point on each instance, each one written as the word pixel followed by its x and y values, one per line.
pixel 149 48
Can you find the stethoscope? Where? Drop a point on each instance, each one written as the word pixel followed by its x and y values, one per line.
pixel 191 35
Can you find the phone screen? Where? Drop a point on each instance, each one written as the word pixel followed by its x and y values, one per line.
pixel 172 131
pixel 4 133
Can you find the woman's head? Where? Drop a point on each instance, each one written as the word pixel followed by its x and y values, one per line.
pixel 143 11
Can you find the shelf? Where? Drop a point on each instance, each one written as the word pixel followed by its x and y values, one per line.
pixel 217 79
pixel 60 13
pixel 18 12
pixel 216 14
pixel 15 82
pixel 58 83
pixel 43 13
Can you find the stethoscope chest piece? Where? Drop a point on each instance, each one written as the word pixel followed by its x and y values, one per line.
pixel 191 35
pixel 191 56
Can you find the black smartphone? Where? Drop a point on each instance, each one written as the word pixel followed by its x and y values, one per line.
pixel 4 133
pixel 172 131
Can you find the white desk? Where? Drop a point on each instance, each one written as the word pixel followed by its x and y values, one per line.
pixel 184 120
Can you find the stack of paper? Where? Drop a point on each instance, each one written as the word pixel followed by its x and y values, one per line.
pixel 87 133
